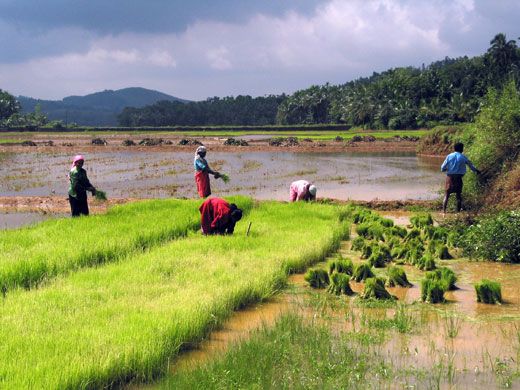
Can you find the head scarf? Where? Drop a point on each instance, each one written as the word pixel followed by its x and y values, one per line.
pixel 77 158
pixel 312 190
pixel 201 148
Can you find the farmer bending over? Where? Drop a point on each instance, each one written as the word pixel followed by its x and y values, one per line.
pixel 455 167
pixel 302 190
pixel 218 216
pixel 79 185
pixel 202 171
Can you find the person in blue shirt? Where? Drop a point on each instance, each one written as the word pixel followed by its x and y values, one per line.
pixel 455 167
pixel 202 172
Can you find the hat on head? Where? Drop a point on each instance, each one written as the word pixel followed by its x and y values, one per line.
pixel 313 190
pixel 201 149
pixel 77 158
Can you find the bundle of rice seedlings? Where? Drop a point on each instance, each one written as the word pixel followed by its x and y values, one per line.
pixel 386 222
pixel 358 244
pixel 317 278
pixel 375 289
pixel 100 195
pixel 426 263
pixel 399 252
pixel 445 275
pixel 421 220
pixel 367 250
pixel 224 177
pixel 342 266
pixel 442 252
pixel 432 291
pixel 362 229
pixel 392 241
pixel 428 232
pixel 397 277
pixel 441 234
pixel 398 231
pixel 488 291
pixel 361 272
pixel 380 256
pixel 412 234
pixel 339 284
pixel 414 253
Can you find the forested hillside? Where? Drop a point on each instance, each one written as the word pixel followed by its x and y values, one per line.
pixel 444 92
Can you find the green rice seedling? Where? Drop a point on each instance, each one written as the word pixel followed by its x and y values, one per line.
pixel 362 230
pixel 426 263
pixel 380 256
pixel 398 231
pixel 358 244
pixel 441 234
pixel 339 284
pixel 397 277
pixel 122 321
pixel 428 232
pixel 443 253
pixel 362 271
pixel 488 291
pixel 386 222
pixel 371 231
pixel 342 266
pixel 367 250
pixel 101 195
pixel 392 241
pixel 414 253
pixel 399 252
pixel 413 234
pixel 224 177
pixel 375 289
pixel 445 275
pixel 317 278
pixel 421 220
pixel 432 291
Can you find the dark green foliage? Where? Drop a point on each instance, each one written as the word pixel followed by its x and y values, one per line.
pixel 342 266
pixel 358 244
pixel 362 271
pixel 317 278
pixel 432 291
pixel 445 276
pixel 339 284
pixel 398 231
pixel 393 242
pixel 413 234
pixel 366 252
pixel 495 238
pixel 375 289
pixel 488 292
pixel 386 222
pixel 421 220
pixel 379 256
pixel 440 234
pixel 397 277
pixel 371 231
pixel 442 252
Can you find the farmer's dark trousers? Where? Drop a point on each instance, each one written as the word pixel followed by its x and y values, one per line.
pixel 78 206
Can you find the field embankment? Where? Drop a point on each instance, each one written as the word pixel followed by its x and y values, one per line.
pixel 123 320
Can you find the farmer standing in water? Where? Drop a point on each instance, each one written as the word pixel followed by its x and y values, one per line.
pixel 302 190
pixel 455 167
pixel 218 216
pixel 79 185
pixel 202 172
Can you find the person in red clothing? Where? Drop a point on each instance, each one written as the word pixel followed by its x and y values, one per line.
pixel 218 216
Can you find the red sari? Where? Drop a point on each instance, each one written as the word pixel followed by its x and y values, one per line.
pixel 215 216
pixel 202 180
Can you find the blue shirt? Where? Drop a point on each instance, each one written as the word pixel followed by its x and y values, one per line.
pixel 455 164
pixel 200 163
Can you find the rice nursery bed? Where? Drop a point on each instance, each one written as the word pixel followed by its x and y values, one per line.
pixel 34 254
pixel 122 321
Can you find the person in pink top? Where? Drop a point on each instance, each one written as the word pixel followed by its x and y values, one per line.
pixel 302 190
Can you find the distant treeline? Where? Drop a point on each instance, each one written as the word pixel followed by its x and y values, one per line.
pixel 445 92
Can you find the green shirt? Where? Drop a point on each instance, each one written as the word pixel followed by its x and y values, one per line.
pixel 78 183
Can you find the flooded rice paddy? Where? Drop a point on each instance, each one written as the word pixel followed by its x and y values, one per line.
pixel 461 343
pixel 263 175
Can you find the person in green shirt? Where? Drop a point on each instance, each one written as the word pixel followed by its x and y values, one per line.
pixel 79 185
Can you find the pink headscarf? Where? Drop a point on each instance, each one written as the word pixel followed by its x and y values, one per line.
pixel 77 158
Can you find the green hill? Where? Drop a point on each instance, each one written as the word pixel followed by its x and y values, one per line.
pixel 96 109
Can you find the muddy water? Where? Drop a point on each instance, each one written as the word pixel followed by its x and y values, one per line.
pixel 17 219
pixel 264 175
pixel 462 342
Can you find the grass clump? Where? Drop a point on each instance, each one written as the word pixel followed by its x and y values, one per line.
pixel 342 266
pixel 362 271
pixel 317 278
pixel 444 275
pixel 432 291
pixel 375 289
pixel 397 277
pixel 488 292
pixel 339 284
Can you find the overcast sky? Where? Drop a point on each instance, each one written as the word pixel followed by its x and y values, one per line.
pixel 195 49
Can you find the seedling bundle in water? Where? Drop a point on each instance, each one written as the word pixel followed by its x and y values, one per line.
pixel 362 272
pixel 375 289
pixel 397 277
pixel 317 278
pixel 100 195
pixel 432 291
pixel 488 292
pixel 342 266
pixel 445 275
pixel 339 284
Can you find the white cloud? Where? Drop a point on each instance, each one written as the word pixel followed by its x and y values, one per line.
pixel 340 41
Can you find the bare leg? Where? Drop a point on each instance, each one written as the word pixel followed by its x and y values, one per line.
pixel 445 202
pixel 459 201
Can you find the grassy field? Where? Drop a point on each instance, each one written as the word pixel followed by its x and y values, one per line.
pixel 300 134
pixel 123 320
pixel 31 255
